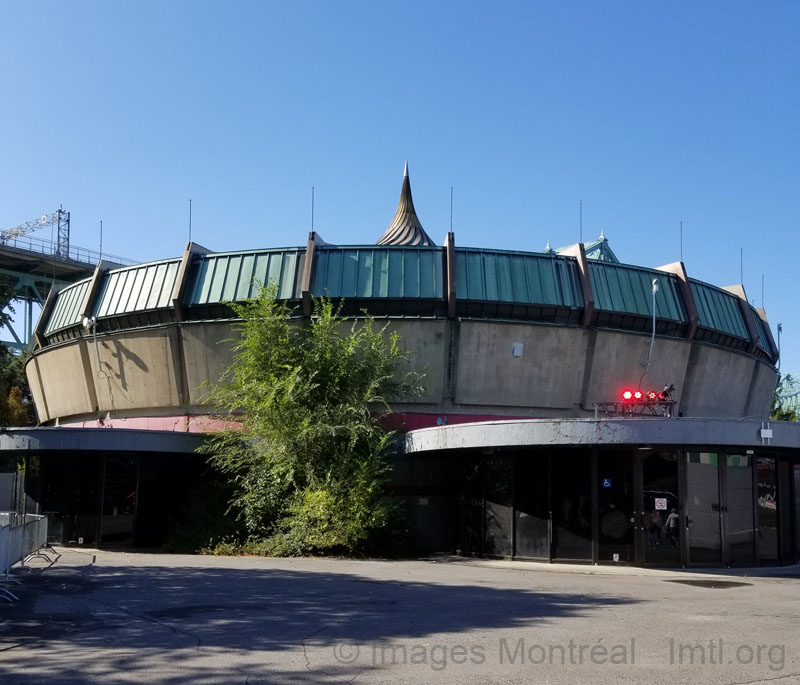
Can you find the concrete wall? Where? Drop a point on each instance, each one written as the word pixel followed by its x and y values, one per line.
pixel 139 369
pixel 427 343
pixel 64 373
pixel 618 361
pixel 549 372
pixel 469 365
pixel 718 383
pixel 207 352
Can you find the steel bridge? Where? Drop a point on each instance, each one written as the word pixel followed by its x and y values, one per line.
pixel 32 266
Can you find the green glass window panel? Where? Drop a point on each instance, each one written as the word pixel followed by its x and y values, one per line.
pixel 380 274
pixel 395 273
pixel 490 278
pixel 410 274
pixel 260 271
pixel 245 287
pixel 231 280
pixel 621 288
pixel 364 265
pixel 202 283
pixel 137 288
pixel 349 271
pixel 519 280
pixel 119 280
pixel 505 287
pixel 125 293
pixel 367 272
pixel 147 286
pixel 533 276
pixel 474 273
pixel 157 287
pixel 430 279
pixel 718 310
pixel 763 340
pixel 218 272
pixel 288 275
pixel 237 276
pixel 67 309
pixel 550 282
pixel 517 277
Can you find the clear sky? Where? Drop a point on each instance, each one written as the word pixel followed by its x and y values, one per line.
pixel 650 113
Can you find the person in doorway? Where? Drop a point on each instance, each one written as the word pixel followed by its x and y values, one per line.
pixel 673 521
pixel 656 529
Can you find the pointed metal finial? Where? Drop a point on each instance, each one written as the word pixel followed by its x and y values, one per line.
pixel 405 228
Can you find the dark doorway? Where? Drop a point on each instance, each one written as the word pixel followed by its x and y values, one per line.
pixel 661 506
pixel 616 508
pixel 570 488
pixel 532 506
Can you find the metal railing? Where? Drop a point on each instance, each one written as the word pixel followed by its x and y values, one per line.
pixel 76 253
pixel 20 537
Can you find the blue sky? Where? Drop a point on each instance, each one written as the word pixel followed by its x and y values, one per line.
pixel 649 113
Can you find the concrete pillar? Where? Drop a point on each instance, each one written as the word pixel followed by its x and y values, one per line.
pixel 679 270
pixel 579 253
pixel 747 315
pixel 450 273
pixel 182 279
pixel 773 347
pixel 94 289
pixel 44 317
pixel 307 276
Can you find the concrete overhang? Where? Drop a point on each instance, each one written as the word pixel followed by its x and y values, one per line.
pixel 638 431
pixel 43 440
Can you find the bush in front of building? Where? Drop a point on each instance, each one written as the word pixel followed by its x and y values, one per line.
pixel 309 468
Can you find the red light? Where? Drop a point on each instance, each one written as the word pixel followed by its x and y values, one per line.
pixel 652 395
pixel 637 395
pixel 627 395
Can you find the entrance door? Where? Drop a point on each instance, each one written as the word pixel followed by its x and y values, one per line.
pixel 703 510
pixel 618 528
pixel 661 507
pixel 740 528
pixel 571 504
pixel 722 527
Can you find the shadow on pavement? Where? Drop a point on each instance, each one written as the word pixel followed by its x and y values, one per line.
pixel 146 623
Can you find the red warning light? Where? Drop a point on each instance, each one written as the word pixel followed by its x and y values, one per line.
pixel 652 395
pixel 638 395
pixel 627 394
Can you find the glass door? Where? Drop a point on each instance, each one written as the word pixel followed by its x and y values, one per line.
pixel 767 484
pixel 661 507
pixel 702 509
pixel 740 533
pixel 618 525
pixel 571 504
pixel 121 482
pixel 532 507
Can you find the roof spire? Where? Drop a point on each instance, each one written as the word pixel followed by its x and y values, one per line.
pixel 405 228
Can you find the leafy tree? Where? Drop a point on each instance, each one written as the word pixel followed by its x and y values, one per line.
pixel 780 411
pixel 309 467
pixel 7 288
pixel 16 406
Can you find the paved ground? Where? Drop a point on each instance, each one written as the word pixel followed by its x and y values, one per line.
pixel 146 618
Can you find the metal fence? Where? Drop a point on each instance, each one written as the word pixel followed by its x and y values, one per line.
pixel 20 536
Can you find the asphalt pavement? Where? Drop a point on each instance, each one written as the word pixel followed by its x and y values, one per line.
pixel 89 616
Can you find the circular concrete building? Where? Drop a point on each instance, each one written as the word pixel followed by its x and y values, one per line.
pixel 501 335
